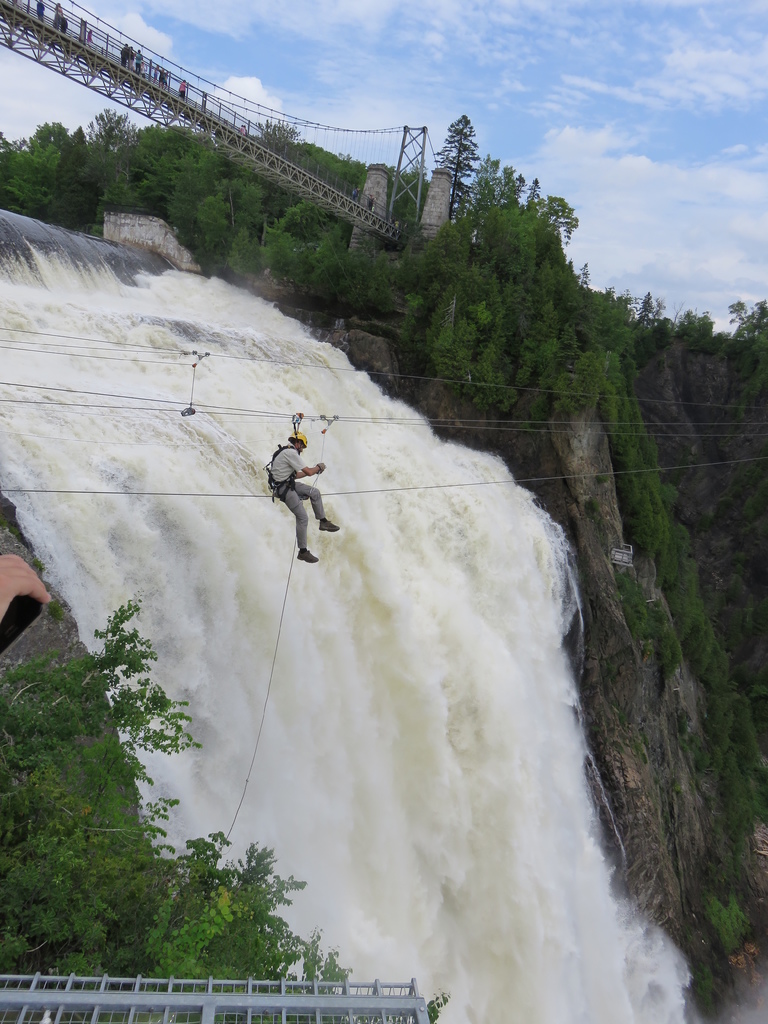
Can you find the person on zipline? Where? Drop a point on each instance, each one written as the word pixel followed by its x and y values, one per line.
pixel 286 469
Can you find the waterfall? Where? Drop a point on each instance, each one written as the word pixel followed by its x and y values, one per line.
pixel 421 765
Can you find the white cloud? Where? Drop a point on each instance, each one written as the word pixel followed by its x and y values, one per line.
pixel 133 25
pixel 252 89
pixel 696 75
pixel 318 19
pixel 690 234
pixel 628 94
pixel 33 94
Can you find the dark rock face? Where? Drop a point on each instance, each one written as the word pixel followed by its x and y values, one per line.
pixel 366 351
pixel 694 401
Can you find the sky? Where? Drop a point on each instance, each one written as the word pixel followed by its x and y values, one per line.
pixel 648 117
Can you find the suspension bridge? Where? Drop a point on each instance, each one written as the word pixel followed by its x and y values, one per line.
pixel 78 44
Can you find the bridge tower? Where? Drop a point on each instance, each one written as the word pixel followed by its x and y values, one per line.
pixel 438 204
pixel 412 155
pixel 373 198
pixel 411 159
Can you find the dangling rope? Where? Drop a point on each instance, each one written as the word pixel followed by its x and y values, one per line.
pixel 330 420
pixel 269 687
pixel 190 410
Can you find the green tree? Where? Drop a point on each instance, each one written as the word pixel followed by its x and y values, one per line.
pixel 76 195
pixel 460 155
pixel 561 216
pixel 493 185
pixel 78 870
pixel 112 141
pixel 748 347
pixel 28 179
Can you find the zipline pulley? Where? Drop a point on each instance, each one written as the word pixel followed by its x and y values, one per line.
pixel 330 420
pixel 190 410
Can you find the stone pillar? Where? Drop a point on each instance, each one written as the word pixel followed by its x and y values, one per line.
pixel 376 184
pixel 438 203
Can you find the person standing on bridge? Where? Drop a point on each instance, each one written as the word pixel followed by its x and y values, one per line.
pixel 41 10
pixel 285 470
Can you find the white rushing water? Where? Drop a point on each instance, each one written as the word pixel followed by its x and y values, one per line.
pixel 421 765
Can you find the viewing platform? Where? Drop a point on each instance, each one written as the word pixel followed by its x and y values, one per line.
pixel 46 999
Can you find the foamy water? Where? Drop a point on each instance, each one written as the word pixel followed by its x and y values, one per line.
pixel 420 765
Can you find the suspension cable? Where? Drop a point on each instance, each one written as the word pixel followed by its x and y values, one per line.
pixel 387 490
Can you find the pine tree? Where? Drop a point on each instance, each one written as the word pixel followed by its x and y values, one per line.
pixel 459 154
pixel 519 187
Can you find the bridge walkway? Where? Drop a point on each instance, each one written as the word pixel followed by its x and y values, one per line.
pixel 91 53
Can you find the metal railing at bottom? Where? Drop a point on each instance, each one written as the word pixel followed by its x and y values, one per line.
pixel 45 999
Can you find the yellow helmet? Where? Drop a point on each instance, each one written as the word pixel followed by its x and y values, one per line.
pixel 296 436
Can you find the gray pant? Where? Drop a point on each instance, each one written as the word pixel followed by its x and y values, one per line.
pixel 294 499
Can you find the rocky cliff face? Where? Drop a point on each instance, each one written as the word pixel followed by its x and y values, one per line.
pixel 706 423
pixel 150 233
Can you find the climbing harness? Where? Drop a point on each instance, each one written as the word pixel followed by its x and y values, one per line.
pixel 280 488
pixel 190 410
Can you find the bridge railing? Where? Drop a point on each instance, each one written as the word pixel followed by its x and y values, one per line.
pixel 266 125
pixel 45 999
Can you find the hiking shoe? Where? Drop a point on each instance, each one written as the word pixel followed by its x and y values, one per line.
pixel 305 555
pixel 328 526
